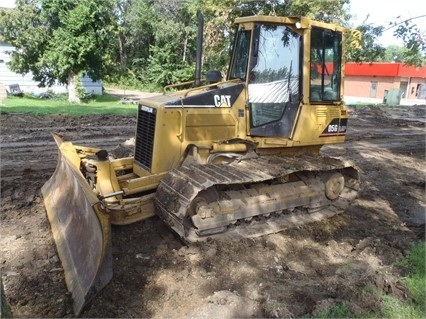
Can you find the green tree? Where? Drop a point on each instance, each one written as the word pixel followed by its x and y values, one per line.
pixel 413 52
pixel 58 40
pixel 172 53
pixel 157 38
pixel 394 53
pixel 156 41
pixel 414 40
pixel 370 50
pixel 135 36
pixel 332 11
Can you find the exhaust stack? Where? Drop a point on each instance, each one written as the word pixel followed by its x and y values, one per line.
pixel 198 62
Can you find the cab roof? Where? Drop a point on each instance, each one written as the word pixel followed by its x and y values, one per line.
pixel 305 22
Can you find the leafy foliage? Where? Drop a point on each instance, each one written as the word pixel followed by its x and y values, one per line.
pixel 414 40
pixel 57 39
pixel 370 50
pixel 413 52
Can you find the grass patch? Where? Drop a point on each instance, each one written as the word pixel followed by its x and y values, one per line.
pixel 391 307
pixel 415 281
pixel 395 308
pixel 104 104
pixel 339 310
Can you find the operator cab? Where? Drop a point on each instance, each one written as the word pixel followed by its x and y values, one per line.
pixel 269 57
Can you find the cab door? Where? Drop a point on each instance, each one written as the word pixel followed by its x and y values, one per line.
pixel 274 80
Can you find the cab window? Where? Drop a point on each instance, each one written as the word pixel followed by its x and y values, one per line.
pixel 326 59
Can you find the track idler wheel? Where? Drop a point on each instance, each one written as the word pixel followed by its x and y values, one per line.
pixel 334 184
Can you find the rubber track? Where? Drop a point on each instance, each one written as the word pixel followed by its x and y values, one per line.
pixel 178 189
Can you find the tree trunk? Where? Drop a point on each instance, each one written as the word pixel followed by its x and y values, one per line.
pixel 123 53
pixel 73 81
pixel 185 46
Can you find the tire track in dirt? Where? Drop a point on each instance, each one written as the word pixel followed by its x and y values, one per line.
pixel 27 143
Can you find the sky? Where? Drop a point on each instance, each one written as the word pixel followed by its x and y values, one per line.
pixel 381 12
pixel 7 3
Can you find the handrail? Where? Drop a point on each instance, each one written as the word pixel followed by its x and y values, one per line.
pixel 176 85
pixel 180 133
pixel 198 87
pixel 210 85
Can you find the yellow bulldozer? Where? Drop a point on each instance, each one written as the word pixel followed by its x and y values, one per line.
pixel 224 159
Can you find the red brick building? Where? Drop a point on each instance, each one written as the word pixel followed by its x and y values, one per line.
pixel 371 80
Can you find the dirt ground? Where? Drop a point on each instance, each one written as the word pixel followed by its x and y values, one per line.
pixel 299 272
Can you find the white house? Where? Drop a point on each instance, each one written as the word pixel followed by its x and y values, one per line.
pixel 26 82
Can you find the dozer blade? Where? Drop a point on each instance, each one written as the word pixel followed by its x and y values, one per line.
pixel 81 229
